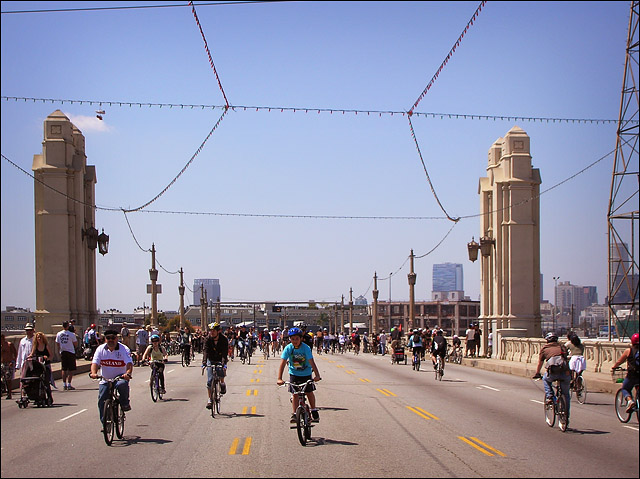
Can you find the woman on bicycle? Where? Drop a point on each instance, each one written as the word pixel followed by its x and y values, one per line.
pixel 633 372
pixel 577 363
pixel 300 358
pixel 155 352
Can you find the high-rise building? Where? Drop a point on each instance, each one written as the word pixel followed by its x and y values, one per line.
pixel 447 277
pixel 578 297
pixel 211 286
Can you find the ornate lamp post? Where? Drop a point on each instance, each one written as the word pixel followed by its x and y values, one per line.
pixel 412 299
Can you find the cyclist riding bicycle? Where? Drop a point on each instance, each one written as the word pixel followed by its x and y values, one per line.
pixel 557 369
pixel 300 358
pixel 185 341
pixel 415 342
pixel 439 348
pixel 242 340
pixel 630 355
pixel 216 350
pixel 113 359
pixel 156 352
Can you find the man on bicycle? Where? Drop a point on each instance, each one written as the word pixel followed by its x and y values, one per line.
pixel 630 355
pixel 216 350
pixel 113 359
pixel 242 340
pixel 185 342
pixel 439 348
pixel 557 368
pixel 300 358
pixel 415 342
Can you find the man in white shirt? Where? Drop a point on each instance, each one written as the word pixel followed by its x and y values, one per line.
pixel 66 342
pixel 383 343
pixel 26 345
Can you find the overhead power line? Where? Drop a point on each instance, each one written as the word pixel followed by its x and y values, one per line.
pixel 297 109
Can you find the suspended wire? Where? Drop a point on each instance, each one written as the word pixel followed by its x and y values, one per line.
pixel 449 55
pixel 206 47
pixel 132 7
pixel 183 169
pixel 436 246
pixel 413 134
pixel 133 235
pixel 281 109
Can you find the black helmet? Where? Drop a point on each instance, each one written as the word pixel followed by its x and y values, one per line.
pixel 551 337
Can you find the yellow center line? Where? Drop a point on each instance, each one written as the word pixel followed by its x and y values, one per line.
pixel 339 366
pixel 474 445
pixel 350 372
pixel 255 392
pixel 427 413
pixel 418 413
pixel 364 380
pixel 386 392
pixel 257 380
pixel 234 446
pixel 247 446
pixel 488 447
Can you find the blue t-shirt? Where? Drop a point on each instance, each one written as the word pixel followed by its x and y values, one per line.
pixel 298 359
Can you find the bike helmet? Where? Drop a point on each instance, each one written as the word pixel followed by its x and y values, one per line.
pixel 155 337
pixel 93 326
pixel 551 337
pixel 295 331
pixel 215 326
pixel 440 332
pixel 634 338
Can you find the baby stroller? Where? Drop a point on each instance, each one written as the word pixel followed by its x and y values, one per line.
pixel 34 385
pixel 398 356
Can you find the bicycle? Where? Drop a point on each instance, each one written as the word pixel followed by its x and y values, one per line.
pixel 186 356
pixel 416 361
pixel 579 387
pixel 439 368
pixel 216 395
pixel 113 416
pixel 303 411
pixel 620 403
pixel 555 408
pixel 154 383
pixel 265 350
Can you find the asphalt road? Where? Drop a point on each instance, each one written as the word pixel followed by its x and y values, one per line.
pixel 376 419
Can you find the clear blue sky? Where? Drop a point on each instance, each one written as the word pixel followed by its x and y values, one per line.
pixel 527 59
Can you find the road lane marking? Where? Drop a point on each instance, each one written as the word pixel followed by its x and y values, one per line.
pixel 255 392
pixel 350 372
pixel 536 401
pixel 245 448
pixel 427 413
pixel 475 446
pixel 488 387
pixel 487 446
pixel 386 392
pixel 246 408
pixel 364 380
pixel 69 417
pixel 256 380
pixel 170 371
pixel 339 366
pixel 631 427
pixel 418 413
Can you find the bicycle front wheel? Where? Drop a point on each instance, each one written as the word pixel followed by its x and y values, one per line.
pixel 218 397
pixel 549 413
pixel 108 427
pixel 581 389
pixel 621 407
pixel 153 388
pixel 301 425
pixel 118 419
pixel 563 416
pixel 184 360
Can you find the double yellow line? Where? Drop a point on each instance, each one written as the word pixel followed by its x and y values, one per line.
pixel 245 448
pixel 477 443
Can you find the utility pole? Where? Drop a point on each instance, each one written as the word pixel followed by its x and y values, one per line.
pixel 203 310
pixel 181 291
pixel 342 314
pixel 153 274
pixel 555 306
pixel 350 310
pixel 412 299
pixel 375 303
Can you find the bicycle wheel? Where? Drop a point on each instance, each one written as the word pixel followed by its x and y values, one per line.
pixel 563 418
pixel 243 357
pixel 621 407
pixel 549 413
pixel 218 397
pixel 581 389
pixel 307 429
pixel 158 388
pixel 301 425
pixel 249 357
pixel 119 419
pixel 153 388
pixel 214 396
pixel 183 359
pixel 418 363
pixel 108 427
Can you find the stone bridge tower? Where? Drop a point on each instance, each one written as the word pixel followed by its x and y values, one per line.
pixel 510 207
pixel 65 266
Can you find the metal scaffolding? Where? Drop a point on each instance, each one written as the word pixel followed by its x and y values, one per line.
pixel 624 197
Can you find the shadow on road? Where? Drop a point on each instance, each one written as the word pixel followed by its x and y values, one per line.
pixel 131 440
pixel 585 432
pixel 321 441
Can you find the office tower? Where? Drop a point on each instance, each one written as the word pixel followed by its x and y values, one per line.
pixel 211 286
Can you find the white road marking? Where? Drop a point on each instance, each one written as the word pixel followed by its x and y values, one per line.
pixel 69 417
pixel 536 401
pixel 632 428
pixel 489 387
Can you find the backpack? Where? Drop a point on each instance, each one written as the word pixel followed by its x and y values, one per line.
pixel 633 361
pixel 557 364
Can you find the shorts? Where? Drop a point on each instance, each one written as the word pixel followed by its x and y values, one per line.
pixel 68 361
pixel 141 349
pixel 577 363
pixel 301 380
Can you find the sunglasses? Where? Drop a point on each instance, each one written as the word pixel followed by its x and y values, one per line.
pixel 155 340
pixel 111 336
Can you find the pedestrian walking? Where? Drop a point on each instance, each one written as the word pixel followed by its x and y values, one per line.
pixel 66 343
